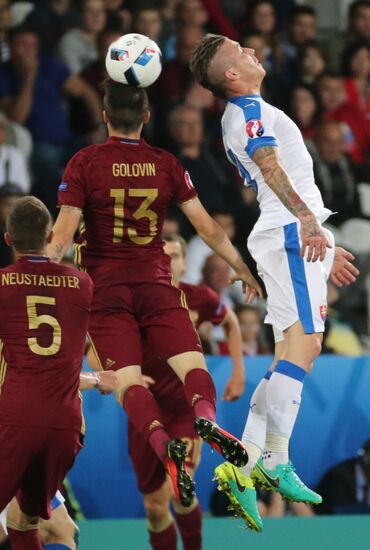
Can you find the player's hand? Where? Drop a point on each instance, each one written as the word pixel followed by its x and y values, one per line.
pixel 234 387
pixel 251 288
pixel 147 381
pixel 343 271
pixel 108 382
pixel 314 241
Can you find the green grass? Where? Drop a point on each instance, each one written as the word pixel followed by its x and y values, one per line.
pixel 322 533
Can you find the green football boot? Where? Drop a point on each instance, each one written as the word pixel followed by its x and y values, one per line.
pixel 285 481
pixel 241 493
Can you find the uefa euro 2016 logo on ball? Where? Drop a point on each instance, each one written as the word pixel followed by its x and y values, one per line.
pixel 134 59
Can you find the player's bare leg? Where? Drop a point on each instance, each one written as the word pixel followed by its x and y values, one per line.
pixel 200 393
pixel 160 521
pixel 60 529
pixel 161 524
pixel 144 413
pixel 23 529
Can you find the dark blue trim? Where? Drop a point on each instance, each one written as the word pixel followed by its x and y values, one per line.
pixel 298 276
pixel 242 170
pixel 256 143
pixel 129 140
pixel 290 369
pixel 39 259
pixel 131 77
pixel 268 375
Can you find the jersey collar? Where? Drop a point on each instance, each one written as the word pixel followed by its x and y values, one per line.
pixel 236 99
pixel 34 259
pixel 126 141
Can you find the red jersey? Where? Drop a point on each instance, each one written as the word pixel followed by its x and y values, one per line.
pixel 44 311
pixel 124 188
pixel 204 305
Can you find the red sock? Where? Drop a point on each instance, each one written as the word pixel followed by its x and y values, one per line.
pixel 190 527
pixel 200 393
pixel 158 440
pixel 144 413
pixel 164 540
pixel 25 540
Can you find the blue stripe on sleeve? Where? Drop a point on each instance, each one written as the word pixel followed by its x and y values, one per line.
pixel 298 276
pixel 256 143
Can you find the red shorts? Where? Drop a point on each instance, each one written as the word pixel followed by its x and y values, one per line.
pixel 33 464
pixel 123 315
pixel 149 470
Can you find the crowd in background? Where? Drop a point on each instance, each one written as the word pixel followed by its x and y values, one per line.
pixel 51 62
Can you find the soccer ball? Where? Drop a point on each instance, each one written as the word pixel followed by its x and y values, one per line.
pixel 134 59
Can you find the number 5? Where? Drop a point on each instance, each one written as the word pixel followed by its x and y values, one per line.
pixel 34 321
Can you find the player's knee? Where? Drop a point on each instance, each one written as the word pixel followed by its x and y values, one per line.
pixel 156 512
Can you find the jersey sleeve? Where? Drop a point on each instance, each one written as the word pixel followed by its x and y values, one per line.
pixel 72 189
pixel 256 126
pixel 183 188
pixel 215 310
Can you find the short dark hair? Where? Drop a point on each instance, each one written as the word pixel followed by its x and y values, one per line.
pixel 201 57
pixel 303 10
pixel 173 238
pixel 125 105
pixel 348 54
pixel 28 224
pixel 355 6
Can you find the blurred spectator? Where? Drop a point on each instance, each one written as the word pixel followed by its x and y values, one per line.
pixel 251 327
pixel 358 30
pixel 78 46
pixel 310 62
pixel 303 27
pixel 19 137
pixel 356 70
pixel 354 124
pixel 119 18
pixel 13 165
pixel 333 173
pixel 187 13
pixel 50 20
pixel 171 225
pixel 304 109
pixel 5 20
pixel 147 20
pixel 9 193
pixel 198 250
pixel 212 181
pixel 340 336
pixel 93 74
pixel 176 77
pixel 345 488
pixel 31 88
pixel 302 30
pixel 261 17
pixel 218 20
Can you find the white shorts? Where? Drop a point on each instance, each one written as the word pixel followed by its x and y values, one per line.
pixel 296 289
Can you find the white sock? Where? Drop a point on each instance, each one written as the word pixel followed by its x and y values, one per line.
pixel 255 428
pixel 283 398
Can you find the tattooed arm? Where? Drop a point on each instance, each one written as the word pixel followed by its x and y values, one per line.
pixel 64 228
pixel 313 238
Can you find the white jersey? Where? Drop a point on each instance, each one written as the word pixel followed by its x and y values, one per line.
pixel 249 123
